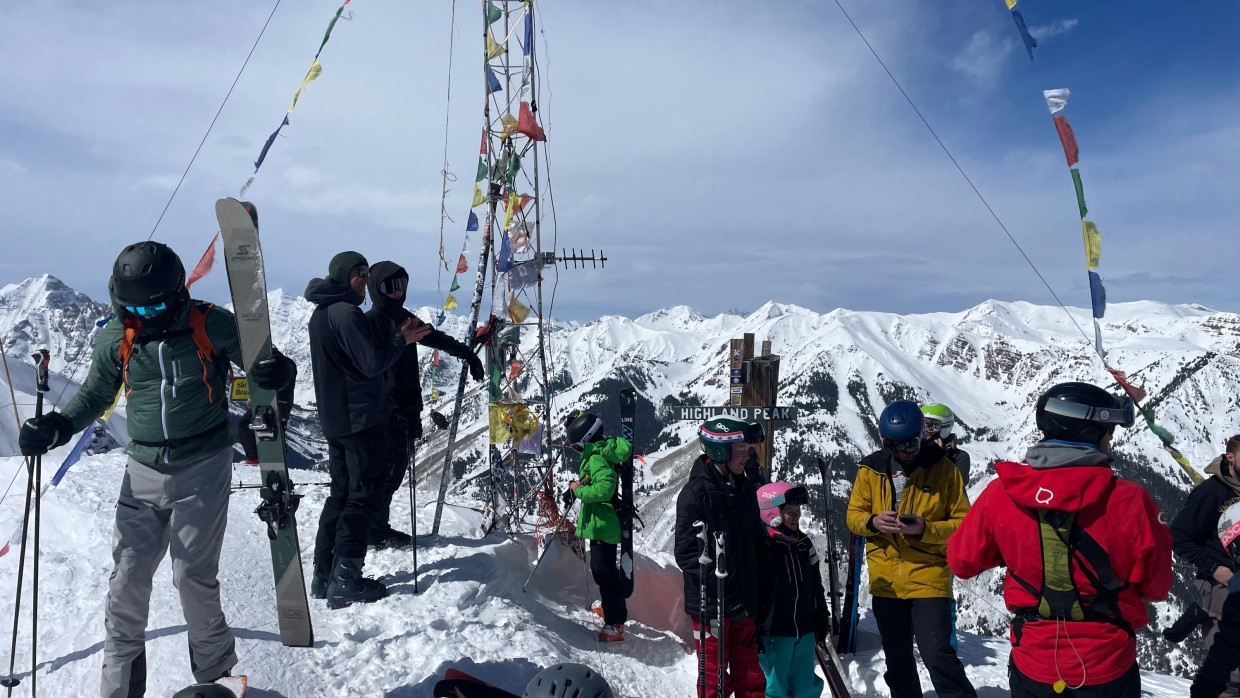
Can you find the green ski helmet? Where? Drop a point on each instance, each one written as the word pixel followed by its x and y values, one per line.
pixel 718 434
pixel 939 420
pixel 205 690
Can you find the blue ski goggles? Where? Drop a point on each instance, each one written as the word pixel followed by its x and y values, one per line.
pixel 147 310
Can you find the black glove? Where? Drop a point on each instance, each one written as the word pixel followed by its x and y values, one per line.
pixel 41 434
pixel 822 625
pixel 569 497
pixel 1202 688
pixel 275 373
pixel 441 422
pixel 475 367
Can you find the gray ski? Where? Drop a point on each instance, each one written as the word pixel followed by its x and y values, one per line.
pixel 243 258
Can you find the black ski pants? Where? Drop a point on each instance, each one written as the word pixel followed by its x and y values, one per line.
pixel 395 464
pixel 1126 686
pixel 603 559
pixel 929 621
pixel 356 464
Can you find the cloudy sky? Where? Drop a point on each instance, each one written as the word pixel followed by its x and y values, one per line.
pixel 722 153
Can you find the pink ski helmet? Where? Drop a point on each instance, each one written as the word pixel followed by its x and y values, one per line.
pixel 775 495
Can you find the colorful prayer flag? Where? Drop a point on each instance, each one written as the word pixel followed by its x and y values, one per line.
pixel 204 265
pixel 1056 100
pixel 461 265
pixel 1068 139
pixel 472 224
pixel 518 311
pixel 479 198
pixel 1025 36
pixel 493 83
pixel 527 125
pixel 494 50
pixel 449 303
pixel 262 155
pixel 496 427
pixel 1080 191
pixel 493 14
pixel 1097 295
pixel 311 74
pixel 455 286
pixel 1011 4
pixel 482 171
pixel 514 166
pixel 1093 244
pixel 503 260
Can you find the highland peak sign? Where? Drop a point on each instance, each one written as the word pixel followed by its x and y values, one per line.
pixel 745 413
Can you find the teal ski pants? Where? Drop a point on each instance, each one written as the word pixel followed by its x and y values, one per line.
pixel 788 663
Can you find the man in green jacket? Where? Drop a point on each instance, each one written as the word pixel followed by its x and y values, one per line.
pixel 171 354
pixel 598 522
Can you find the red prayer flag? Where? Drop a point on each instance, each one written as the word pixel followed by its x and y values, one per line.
pixel 435 357
pixel 1068 139
pixel 204 264
pixel 483 150
pixel 1137 394
pixel 461 265
pixel 515 370
pixel 528 126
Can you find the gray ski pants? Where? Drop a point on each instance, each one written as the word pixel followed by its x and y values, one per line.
pixel 183 510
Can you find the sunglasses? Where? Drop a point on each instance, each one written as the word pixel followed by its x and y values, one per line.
pixel 394 284
pixel 147 310
pixel 362 272
pixel 902 445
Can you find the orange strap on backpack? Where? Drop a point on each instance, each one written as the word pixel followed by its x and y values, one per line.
pixel 198 330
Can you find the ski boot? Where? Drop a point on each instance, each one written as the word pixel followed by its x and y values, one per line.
pixel 597 609
pixel 389 537
pixel 319 582
pixel 349 586
pixel 611 633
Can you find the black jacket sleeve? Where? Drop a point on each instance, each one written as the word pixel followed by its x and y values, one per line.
pixel 441 341
pixel 1194 531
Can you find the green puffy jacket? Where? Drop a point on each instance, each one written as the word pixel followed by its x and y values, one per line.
pixel 598 519
pixel 177 409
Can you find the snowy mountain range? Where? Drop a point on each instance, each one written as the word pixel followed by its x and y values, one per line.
pixel 989 363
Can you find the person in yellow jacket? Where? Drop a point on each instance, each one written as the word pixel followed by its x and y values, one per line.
pixel 907 499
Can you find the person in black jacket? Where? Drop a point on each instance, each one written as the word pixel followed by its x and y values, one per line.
pixel 1194 532
pixel 351 397
pixel 719 495
pixel 388 284
pixel 1223 659
pixel 799 616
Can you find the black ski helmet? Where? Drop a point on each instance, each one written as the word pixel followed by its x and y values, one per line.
pixel 902 426
pixel 1082 412
pixel 205 690
pixel 147 273
pixel 583 428
pixel 568 681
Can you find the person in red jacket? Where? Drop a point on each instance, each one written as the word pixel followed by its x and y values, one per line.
pixel 1084 551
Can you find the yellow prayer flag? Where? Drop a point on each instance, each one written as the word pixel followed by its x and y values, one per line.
pixel 494 50
pixel 513 202
pixel 1011 4
pixel 510 125
pixel 311 74
pixel 518 311
pixel 521 421
pixel 1093 244
pixel 497 429
pixel 449 302
pixel 479 199
pixel 434 394
pixel 108 412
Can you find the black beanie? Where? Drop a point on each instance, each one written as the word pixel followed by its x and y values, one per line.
pixel 338 269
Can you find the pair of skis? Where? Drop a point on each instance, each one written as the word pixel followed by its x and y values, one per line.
pixel 843 628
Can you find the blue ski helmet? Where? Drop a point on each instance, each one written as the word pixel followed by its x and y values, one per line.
pixel 902 426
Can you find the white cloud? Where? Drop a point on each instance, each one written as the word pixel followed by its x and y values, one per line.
pixel 1059 27
pixel 12 166
pixel 159 181
pixel 983 58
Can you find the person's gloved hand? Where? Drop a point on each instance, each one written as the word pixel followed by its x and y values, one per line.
pixel 568 498
pixel 1202 688
pixel 41 434
pixel 822 625
pixel 475 367
pixel 274 373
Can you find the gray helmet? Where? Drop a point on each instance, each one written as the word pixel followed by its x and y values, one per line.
pixel 568 681
pixel 205 690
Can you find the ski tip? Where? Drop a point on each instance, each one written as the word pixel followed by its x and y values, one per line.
pixel 237 684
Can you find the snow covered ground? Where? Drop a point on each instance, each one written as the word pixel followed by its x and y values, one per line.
pixel 470 612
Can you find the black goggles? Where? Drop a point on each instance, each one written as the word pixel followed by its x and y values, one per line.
pixel 393 284
pixel 902 445
pixel 1124 414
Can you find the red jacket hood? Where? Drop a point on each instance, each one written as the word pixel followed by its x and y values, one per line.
pixel 1067 488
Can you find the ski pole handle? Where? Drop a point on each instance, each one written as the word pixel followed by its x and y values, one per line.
pixel 720 569
pixel 41 360
pixel 704 558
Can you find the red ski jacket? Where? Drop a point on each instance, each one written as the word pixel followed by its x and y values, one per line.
pixel 1002 529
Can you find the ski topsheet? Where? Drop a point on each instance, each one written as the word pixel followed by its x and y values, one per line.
pixel 243 258
pixel 628 417
pixel 458 684
pixel 829 661
pixel 847 641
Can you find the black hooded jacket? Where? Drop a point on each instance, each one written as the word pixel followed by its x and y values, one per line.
pixel 1194 530
pixel 798 603
pixel 404 379
pixel 348 360
pixel 728 504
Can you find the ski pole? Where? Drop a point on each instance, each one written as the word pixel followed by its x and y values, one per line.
pixel 413 512
pixel 721 574
pixel 832 555
pixel 11 680
pixel 543 554
pixel 703 561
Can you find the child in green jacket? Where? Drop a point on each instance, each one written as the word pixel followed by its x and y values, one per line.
pixel 598 522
